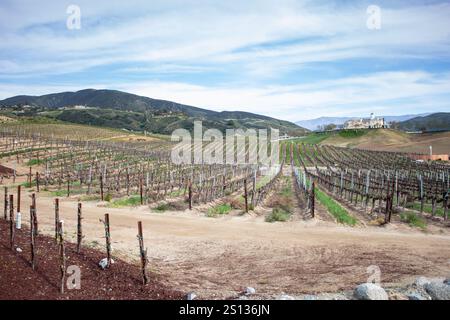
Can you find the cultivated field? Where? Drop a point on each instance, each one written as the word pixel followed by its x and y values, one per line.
pixel 313 225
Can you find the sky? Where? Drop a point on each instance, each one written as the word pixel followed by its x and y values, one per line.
pixel 292 60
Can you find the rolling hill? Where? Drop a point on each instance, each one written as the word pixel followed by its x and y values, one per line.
pixel 123 110
pixel 433 122
pixel 383 140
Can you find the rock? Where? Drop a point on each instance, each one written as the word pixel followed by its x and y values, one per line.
pixel 438 291
pixel 249 290
pixel 285 297
pixel 421 281
pixel 370 291
pixel 18 250
pixel 104 263
pixel 309 297
pixel 191 296
pixel 447 281
pixel 416 296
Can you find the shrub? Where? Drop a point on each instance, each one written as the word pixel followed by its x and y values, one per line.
pixel 108 197
pixel 278 214
pixel 126 202
pixel 162 207
pixel 221 209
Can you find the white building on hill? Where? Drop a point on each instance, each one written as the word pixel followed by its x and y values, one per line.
pixel 367 123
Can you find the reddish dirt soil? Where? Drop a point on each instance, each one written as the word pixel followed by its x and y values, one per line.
pixel 18 281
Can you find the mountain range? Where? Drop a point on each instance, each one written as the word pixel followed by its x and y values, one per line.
pixel 124 110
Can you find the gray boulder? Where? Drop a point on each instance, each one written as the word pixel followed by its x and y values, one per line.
pixel 249 291
pixel 191 296
pixel 438 291
pixel 370 291
pixel 416 296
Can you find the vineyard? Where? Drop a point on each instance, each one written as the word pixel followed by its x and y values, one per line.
pixel 326 184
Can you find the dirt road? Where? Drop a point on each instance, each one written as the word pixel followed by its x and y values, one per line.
pixel 216 257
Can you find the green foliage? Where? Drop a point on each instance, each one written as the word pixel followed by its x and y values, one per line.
pixel 221 209
pixel 314 138
pixel 278 214
pixel 90 197
pixel 108 197
pixel 353 133
pixel 439 211
pixel 341 215
pixel 132 201
pixel 34 162
pixel 413 220
pixel 59 193
pixel 162 207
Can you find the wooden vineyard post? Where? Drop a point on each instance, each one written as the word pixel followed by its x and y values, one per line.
pixel 245 195
pixel 79 229
pixel 101 187
pixel 19 189
pixel 6 204
pixel 312 199
pixel 37 181
pixel 253 191
pixel 108 240
pixel 11 221
pixel 29 178
pixel 56 219
pixel 141 191
pixel 68 187
pixel 32 238
pixel 62 256
pixel 143 253
pixel 34 221
pixel 190 195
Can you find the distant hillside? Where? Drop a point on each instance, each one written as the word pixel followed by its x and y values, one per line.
pixel 123 110
pixel 383 140
pixel 432 122
pixel 313 124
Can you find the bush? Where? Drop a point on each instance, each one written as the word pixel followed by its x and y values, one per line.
pixel 108 197
pixel 34 162
pixel 221 209
pixel 278 214
pixel 133 201
pixel 162 207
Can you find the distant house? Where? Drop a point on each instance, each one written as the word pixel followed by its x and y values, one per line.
pixel 366 123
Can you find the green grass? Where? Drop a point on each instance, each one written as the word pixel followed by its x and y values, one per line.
pixel 439 211
pixel 34 162
pixel 220 209
pixel 263 181
pixel 162 207
pixel 278 214
pixel 341 215
pixel 63 192
pixel 132 201
pixel 176 193
pixel 28 184
pixel 354 133
pixel 314 138
pixel 286 191
pixel 413 220
pixel 90 197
